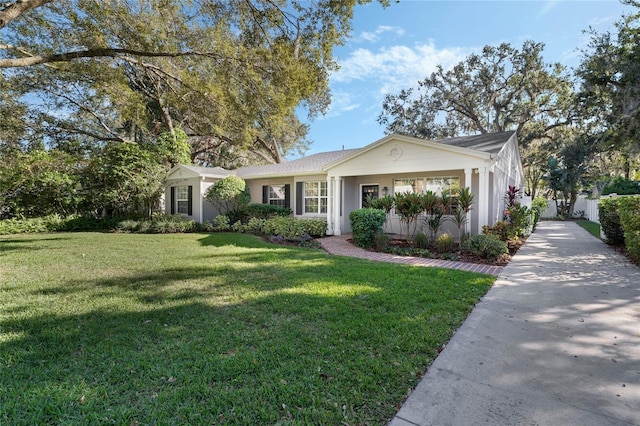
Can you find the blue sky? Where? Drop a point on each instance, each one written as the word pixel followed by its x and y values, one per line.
pixel 393 48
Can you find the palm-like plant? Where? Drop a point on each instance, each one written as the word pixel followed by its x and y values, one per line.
pixel 461 213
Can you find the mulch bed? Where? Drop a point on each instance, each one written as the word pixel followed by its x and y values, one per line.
pixel 465 256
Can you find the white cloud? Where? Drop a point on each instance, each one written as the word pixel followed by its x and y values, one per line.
pixel 392 68
pixel 373 36
pixel 341 101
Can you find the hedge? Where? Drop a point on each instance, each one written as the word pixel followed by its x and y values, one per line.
pixel 629 212
pixel 610 221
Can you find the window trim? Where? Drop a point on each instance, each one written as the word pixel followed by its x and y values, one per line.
pixel 182 191
pixel 320 186
pixel 425 186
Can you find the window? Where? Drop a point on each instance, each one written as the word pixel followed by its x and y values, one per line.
pixel 447 185
pixel 315 197
pixel 182 199
pixel 276 195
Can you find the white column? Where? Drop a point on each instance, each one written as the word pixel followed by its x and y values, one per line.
pixel 467 183
pixel 330 205
pixel 336 205
pixel 483 198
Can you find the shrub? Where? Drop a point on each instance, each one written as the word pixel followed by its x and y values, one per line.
pixel 444 243
pixel 238 226
pixel 128 225
pixel 365 224
pixel 221 223
pixel 255 225
pixel 486 246
pixel 292 228
pixel 629 211
pixel 519 220
pixel 266 211
pixel 420 240
pixel 381 241
pixel 230 196
pixel 314 227
pixel 622 186
pixel 610 221
pixel 501 230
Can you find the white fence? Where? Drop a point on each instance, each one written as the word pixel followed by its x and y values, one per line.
pixel 583 204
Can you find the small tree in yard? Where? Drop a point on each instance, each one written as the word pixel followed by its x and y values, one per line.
pixel 230 196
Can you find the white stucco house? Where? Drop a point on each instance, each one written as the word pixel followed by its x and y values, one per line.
pixel 332 184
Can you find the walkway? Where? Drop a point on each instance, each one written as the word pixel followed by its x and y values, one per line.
pixel 556 341
pixel 339 245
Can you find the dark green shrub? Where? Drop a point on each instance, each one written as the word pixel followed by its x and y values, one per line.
pixel 486 246
pixel 231 197
pixel 365 224
pixel 538 207
pixel 610 221
pixel 622 186
pixel 519 219
pixel 629 211
pixel 266 211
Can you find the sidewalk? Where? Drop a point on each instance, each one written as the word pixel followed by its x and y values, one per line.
pixel 556 341
pixel 339 245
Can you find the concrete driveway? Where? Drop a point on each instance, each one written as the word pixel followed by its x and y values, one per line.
pixel 556 341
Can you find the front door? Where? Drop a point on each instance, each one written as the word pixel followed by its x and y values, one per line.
pixel 369 192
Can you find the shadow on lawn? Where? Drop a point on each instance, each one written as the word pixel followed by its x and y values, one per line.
pixel 278 356
pixel 236 337
pixel 21 243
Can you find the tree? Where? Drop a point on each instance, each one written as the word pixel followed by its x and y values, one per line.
pixel 230 196
pixel 122 180
pixel 566 170
pixel 500 89
pixel 610 90
pixel 230 73
pixel 39 183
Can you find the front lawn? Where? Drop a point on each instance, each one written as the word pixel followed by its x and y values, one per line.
pixel 214 329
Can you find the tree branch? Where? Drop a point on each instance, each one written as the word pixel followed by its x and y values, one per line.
pixel 17 8
pixel 92 53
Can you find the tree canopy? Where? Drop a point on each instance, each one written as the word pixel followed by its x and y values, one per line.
pixel 502 88
pixel 610 91
pixel 229 73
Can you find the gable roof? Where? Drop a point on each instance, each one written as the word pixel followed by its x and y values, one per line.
pixel 491 143
pixel 214 172
pixel 306 165
pixel 484 145
pixel 479 146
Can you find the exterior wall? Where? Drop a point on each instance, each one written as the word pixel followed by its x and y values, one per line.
pixel 294 195
pixel 507 171
pixel 186 181
pixel 353 197
pixel 255 187
pixel 209 212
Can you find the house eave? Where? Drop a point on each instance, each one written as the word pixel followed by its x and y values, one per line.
pixel 407 139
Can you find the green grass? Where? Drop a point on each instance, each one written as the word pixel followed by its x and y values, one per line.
pixel 592 227
pixel 214 329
